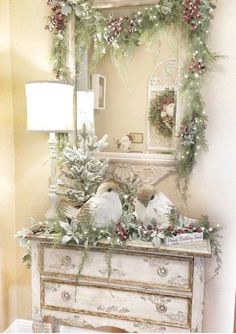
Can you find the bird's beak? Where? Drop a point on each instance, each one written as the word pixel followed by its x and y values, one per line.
pixel 145 203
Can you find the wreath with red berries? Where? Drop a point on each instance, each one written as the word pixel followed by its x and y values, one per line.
pixel 159 115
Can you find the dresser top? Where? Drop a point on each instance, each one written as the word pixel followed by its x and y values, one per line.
pixel 196 248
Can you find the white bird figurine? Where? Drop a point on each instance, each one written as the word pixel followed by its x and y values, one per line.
pixel 103 209
pixel 152 207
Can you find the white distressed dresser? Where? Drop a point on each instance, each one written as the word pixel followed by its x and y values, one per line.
pixel 151 290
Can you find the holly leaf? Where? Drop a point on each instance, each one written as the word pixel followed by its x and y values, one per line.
pixel 156 242
pixel 65 10
pixel 66 239
pixel 161 235
pixel 65 226
pixel 154 233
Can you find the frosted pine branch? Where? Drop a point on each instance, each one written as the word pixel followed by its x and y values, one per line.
pixel 81 171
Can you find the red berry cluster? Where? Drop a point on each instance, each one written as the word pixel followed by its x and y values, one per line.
pixel 119 24
pixel 191 13
pixel 115 27
pixel 121 231
pixel 57 21
pixel 183 131
pixel 186 229
pixel 197 66
pixel 29 235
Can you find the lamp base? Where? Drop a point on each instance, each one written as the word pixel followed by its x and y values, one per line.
pixel 52 211
pixel 52 190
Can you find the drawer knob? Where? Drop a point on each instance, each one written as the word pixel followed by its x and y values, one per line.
pixel 162 308
pixel 65 295
pixel 162 271
pixel 66 260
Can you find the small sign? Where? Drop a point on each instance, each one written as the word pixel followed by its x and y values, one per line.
pixel 136 137
pixel 184 238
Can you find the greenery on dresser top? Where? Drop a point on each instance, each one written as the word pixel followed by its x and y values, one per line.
pixel 62 231
pixel 119 36
pixel 83 172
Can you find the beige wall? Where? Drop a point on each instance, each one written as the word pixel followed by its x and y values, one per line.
pixel 212 186
pixel 127 93
pixel 30 47
pixel 7 178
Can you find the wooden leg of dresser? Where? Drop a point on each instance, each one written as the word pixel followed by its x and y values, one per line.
pixel 38 326
pixel 55 325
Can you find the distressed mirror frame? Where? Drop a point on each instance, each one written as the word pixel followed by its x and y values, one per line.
pixel 195 17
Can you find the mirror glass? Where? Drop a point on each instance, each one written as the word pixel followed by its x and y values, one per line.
pixel 137 101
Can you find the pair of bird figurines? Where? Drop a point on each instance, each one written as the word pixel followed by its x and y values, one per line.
pixel 105 207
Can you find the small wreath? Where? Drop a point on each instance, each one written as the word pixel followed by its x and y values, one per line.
pixel 162 111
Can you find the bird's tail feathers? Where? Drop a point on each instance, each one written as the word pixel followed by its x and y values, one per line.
pixel 67 210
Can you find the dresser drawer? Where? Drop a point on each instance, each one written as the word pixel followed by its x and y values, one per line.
pixel 117 304
pixel 148 271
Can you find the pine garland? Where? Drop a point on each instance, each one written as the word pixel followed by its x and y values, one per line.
pixel 120 36
pixel 116 236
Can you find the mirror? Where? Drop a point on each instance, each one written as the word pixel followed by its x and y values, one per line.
pixel 138 105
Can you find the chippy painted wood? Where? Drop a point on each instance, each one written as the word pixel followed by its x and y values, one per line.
pixel 198 248
pixel 38 323
pixel 116 303
pixel 156 271
pixel 198 294
pixel 122 3
pixel 139 299
pixel 85 321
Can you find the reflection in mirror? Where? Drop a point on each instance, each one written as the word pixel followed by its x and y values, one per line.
pixel 162 107
pixel 142 106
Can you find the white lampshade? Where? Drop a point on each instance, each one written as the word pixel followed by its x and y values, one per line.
pixel 49 106
pixel 85 109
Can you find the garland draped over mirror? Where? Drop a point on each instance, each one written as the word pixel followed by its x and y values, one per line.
pixel 120 35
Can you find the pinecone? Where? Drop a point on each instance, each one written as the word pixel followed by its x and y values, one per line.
pixel 115 27
pixel 58 21
pixel 119 25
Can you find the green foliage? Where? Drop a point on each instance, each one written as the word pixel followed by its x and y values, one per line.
pixel 158 117
pixel 59 52
pixel 64 232
pixel 120 36
pixel 45 228
pixel 82 171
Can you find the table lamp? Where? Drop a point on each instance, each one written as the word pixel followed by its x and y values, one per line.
pixel 50 109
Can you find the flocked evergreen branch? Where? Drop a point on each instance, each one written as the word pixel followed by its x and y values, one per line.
pixel 82 171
